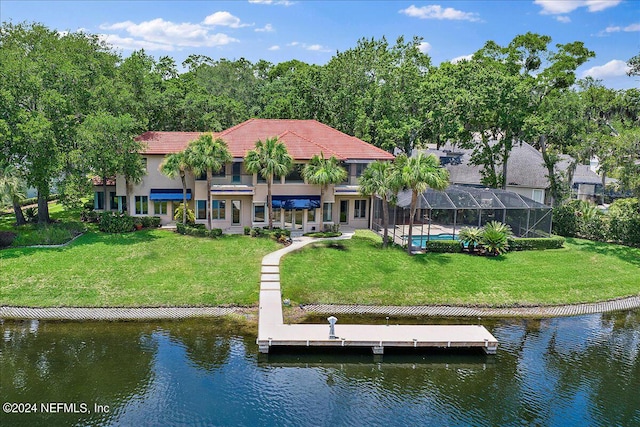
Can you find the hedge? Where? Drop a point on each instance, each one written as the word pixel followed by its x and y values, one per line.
pixel 444 246
pixel 6 238
pixel 198 231
pixel 536 243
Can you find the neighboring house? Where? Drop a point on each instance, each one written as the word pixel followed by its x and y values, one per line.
pixel 526 173
pixel 239 198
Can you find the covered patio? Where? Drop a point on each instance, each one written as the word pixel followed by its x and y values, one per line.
pixel 441 214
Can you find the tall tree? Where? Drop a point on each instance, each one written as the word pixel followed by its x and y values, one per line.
pixel 417 174
pixel 108 146
pixel 323 173
pixel 380 179
pixel 175 165
pixel 270 158
pixel 51 81
pixel 207 155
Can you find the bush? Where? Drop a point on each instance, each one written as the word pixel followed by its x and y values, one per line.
pixel 31 214
pixel 181 228
pixel 321 234
pixel 566 220
pixel 148 221
pixel 444 246
pixel 215 232
pixel 177 214
pixel 537 243
pixel 198 230
pixel 6 238
pixel 34 200
pixel 52 234
pixel 247 230
pixel 89 215
pixel 112 222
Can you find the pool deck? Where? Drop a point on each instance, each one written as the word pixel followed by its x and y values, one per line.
pixel 273 332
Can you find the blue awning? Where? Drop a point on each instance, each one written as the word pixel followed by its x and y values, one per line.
pixel 169 194
pixel 296 202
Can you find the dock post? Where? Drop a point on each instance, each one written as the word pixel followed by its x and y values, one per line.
pixel 378 349
pixel 263 347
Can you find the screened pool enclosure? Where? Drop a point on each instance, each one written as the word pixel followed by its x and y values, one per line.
pixel 441 214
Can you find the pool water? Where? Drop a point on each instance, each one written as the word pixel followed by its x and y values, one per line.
pixel 422 240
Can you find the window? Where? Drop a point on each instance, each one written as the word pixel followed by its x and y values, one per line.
pixel 142 205
pixel 221 173
pixel 538 196
pixel 360 167
pixel 348 169
pixel 295 176
pixel 311 215
pixel 218 209
pixel 360 209
pixel 236 170
pixel 327 212
pixel 144 163
pixel 259 213
pixel 235 211
pixel 201 209
pixel 123 201
pixel 113 201
pixel 202 176
pixel 344 211
pixel 98 200
pixel 160 208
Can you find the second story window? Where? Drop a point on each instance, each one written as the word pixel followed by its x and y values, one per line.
pixel 236 172
pixel 295 176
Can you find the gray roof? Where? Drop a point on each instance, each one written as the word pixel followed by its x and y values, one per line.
pixel 525 167
pixel 584 175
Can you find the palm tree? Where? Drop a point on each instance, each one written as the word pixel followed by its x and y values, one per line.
pixel 12 190
pixel 269 158
pixel 471 236
pixel 379 179
pixel 495 237
pixel 175 165
pixel 417 174
pixel 323 172
pixel 208 155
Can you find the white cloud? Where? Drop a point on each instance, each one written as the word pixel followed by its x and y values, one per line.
pixel 274 47
pixel 224 19
pixel 563 18
pixel 461 58
pixel 557 7
pixel 266 29
pixel 159 32
pixel 424 47
pixel 128 43
pixel 435 11
pixel 276 2
pixel 612 68
pixel 628 28
pixel 316 47
pixel 293 44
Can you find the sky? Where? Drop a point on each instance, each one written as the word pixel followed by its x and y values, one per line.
pixel 313 31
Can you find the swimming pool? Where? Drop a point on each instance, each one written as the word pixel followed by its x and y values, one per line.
pixel 422 240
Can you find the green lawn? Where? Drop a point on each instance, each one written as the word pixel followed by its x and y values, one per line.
pixel 145 268
pixel 356 271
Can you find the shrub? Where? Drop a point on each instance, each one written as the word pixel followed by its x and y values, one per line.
pixel 320 234
pixel 181 228
pixel 52 234
pixel 215 232
pixel 471 237
pixel 566 220
pixel 31 214
pixel 177 214
pixel 89 215
pixel 537 243
pixel 247 230
pixel 112 222
pixel 6 238
pixel 495 237
pixel 444 246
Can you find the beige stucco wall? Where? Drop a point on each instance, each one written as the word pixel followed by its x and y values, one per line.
pixel 526 191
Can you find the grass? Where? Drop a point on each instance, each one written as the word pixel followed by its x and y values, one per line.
pixel 357 271
pixel 66 228
pixel 145 268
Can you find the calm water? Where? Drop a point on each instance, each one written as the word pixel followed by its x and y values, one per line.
pixel 580 371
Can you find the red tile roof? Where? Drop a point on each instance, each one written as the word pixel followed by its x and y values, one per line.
pixel 303 139
pixel 97 181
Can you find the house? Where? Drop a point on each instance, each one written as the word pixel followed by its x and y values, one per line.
pixel 239 198
pixel 526 173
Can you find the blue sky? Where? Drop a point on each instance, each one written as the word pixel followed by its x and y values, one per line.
pixel 312 31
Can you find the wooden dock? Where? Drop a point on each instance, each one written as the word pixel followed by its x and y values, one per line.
pixel 273 332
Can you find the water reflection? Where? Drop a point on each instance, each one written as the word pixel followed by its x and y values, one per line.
pixel 569 371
